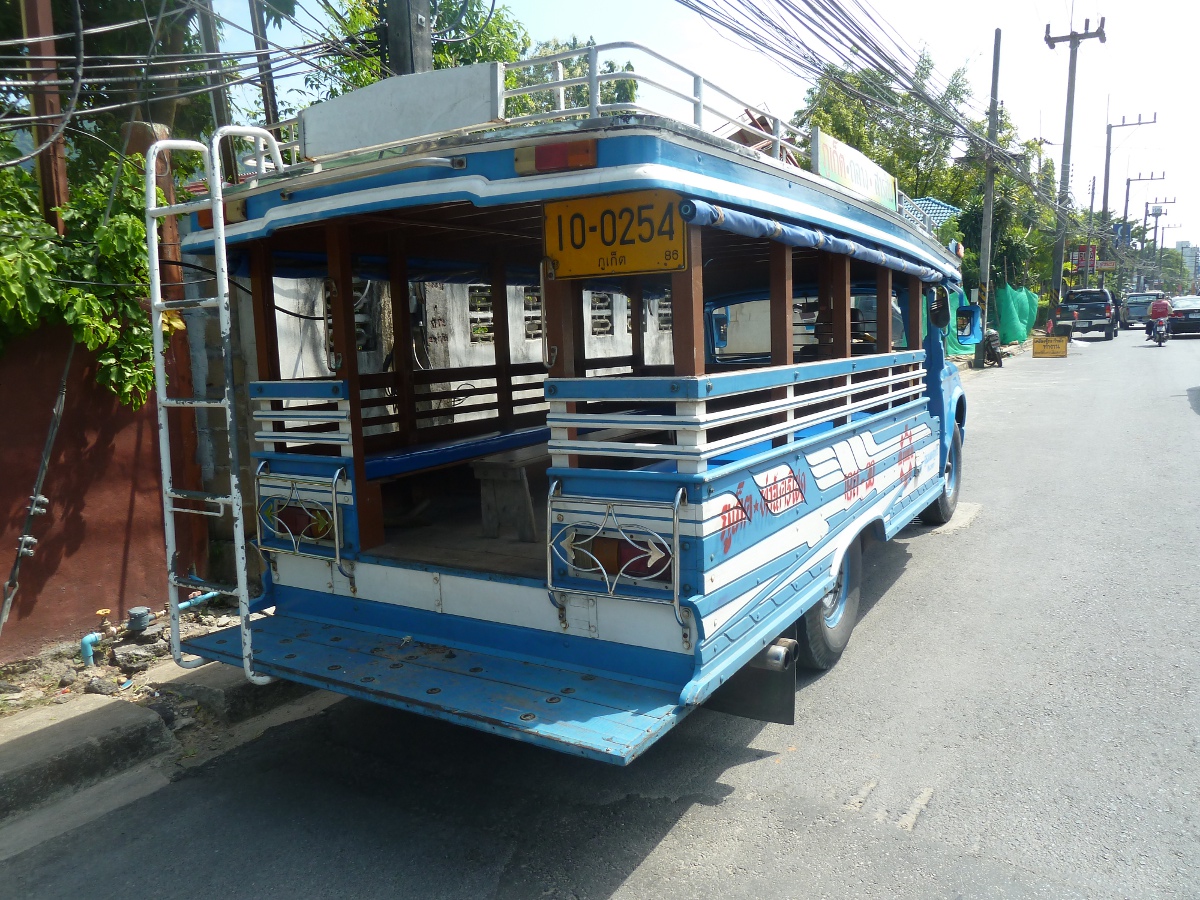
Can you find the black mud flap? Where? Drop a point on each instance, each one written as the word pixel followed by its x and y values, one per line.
pixel 762 689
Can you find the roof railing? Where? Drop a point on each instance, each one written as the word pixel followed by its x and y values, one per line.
pixel 691 95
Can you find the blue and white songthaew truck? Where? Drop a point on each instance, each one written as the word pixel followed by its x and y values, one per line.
pixel 552 417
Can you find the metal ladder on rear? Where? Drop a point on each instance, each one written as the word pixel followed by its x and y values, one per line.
pixel 201 502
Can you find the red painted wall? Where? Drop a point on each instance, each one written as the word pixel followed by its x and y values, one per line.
pixel 101 544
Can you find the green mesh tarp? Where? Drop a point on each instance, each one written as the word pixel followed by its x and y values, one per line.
pixel 1031 300
pixel 1011 313
pixel 1017 310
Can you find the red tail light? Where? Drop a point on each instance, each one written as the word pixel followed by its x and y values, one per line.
pixel 646 559
pixel 1108 310
pixel 1176 315
pixel 555 157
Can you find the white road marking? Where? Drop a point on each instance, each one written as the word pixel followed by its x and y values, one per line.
pixel 908 821
pixel 857 801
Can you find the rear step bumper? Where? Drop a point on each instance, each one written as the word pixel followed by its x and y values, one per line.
pixel 586 714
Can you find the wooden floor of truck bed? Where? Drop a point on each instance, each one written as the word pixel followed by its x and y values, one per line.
pixel 454 539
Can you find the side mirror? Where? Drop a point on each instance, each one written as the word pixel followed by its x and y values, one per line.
pixel 720 328
pixel 970 324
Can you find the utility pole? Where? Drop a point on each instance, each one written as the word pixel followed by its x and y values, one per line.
pixel 989 191
pixel 409 36
pixel 1064 190
pixel 218 96
pixel 1128 182
pixel 37 22
pixel 258 25
pixel 1087 262
pixel 1107 166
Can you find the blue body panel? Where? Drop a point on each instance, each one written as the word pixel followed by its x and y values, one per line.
pixel 747 567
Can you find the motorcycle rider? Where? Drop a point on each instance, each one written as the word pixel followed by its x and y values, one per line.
pixel 1160 309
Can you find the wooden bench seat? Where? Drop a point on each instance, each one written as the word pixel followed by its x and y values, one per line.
pixel 504 484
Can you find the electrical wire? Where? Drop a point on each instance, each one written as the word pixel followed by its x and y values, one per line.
pixel 478 31
pixel 71 104
pixel 99 29
pixel 819 38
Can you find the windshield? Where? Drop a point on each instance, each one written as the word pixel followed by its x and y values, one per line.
pixel 1087 297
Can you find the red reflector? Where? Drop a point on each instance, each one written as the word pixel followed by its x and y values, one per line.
pixel 648 559
pixel 559 157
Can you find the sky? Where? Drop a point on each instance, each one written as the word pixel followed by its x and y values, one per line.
pixel 1146 66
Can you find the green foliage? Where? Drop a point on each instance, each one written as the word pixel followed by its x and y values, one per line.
pixel 611 92
pixel 144 94
pixel 912 143
pixel 503 39
pixel 95 280
pixel 898 131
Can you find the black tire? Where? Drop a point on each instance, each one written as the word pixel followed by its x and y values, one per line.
pixel 941 510
pixel 1108 333
pixel 824 631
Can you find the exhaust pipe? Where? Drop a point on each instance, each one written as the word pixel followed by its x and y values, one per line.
pixel 778 656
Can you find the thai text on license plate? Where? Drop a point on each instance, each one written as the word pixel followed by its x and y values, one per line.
pixel 626 234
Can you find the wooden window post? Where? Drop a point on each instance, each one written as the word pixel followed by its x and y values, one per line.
pixel 502 344
pixel 883 310
pixel 637 321
pixel 916 303
pixel 687 309
pixel 367 495
pixel 402 339
pixel 840 277
pixel 781 322
pixel 563 306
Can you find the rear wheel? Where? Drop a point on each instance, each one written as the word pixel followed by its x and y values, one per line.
pixel 941 510
pixel 824 631
pixel 1108 333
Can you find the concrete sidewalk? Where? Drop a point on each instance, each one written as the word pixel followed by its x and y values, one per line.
pixel 49 752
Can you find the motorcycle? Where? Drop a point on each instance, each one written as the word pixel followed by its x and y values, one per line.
pixel 1161 332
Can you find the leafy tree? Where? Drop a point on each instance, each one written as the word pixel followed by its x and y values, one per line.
pixel 893 127
pixel 617 91
pixel 145 92
pixel 498 39
pixel 94 280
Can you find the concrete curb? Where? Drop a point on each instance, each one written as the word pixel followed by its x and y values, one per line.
pixel 224 691
pixel 51 750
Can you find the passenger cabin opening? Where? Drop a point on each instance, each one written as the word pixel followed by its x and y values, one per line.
pixel 443 323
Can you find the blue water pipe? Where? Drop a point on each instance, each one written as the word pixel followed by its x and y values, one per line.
pixel 90 640
pixel 85 646
pixel 195 601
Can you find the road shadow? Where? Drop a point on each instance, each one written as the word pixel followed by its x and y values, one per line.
pixel 369 802
pixel 1193 395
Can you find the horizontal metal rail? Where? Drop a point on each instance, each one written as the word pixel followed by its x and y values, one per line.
pixel 893 386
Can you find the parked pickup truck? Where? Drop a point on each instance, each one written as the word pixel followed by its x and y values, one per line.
pixel 1087 310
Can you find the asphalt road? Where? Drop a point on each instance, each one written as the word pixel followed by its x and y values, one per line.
pixel 1017 716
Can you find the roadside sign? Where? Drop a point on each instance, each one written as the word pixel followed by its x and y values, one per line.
pixel 1106 265
pixel 1050 347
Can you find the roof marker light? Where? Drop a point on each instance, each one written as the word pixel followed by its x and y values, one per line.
pixel 560 157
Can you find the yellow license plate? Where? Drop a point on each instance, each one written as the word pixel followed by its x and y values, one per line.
pixel 625 234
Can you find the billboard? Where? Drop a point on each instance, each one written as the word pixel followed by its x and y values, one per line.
pixel 842 164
